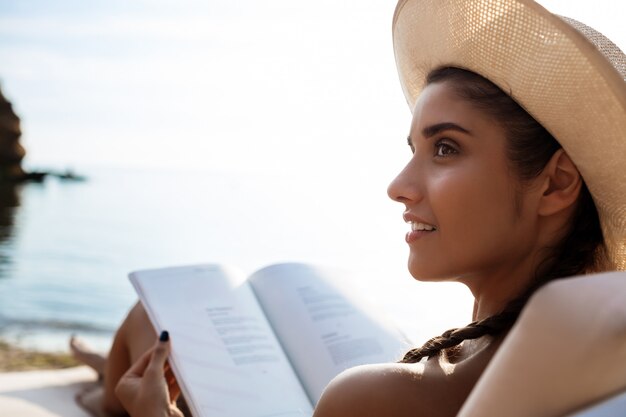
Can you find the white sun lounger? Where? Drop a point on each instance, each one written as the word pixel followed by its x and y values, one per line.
pixel 612 407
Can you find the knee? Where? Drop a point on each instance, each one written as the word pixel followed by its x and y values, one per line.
pixel 137 319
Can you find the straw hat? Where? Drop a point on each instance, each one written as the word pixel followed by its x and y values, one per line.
pixel 569 77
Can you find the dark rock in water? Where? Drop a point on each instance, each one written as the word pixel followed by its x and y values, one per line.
pixel 39 176
pixel 31 176
pixel 69 176
pixel 11 151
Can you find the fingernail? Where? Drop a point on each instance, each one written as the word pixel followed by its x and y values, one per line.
pixel 165 336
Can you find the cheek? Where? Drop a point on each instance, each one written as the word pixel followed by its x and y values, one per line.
pixel 473 206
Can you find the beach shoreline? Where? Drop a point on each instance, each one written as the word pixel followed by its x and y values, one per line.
pixel 16 358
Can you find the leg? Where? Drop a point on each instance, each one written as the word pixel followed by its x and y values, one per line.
pixel 82 352
pixel 134 337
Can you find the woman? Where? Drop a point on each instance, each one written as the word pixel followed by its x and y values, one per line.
pixel 515 180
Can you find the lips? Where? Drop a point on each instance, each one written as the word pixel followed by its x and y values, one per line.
pixel 419 228
pixel 416 222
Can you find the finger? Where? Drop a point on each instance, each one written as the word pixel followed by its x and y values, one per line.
pixel 160 352
pixel 167 368
pixel 169 375
pixel 172 384
pixel 173 389
pixel 139 367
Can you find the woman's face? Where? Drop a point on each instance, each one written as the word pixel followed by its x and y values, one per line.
pixel 467 213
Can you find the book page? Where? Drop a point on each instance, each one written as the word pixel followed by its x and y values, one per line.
pixel 323 329
pixel 224 353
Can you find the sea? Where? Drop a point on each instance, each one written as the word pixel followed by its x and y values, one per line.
pixel 66 247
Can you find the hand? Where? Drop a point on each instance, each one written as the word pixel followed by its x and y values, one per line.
pixel 149 388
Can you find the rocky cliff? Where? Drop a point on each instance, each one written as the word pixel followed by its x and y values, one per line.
pixel 11 151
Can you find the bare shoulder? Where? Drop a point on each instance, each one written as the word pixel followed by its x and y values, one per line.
pixel 371 390
pixel 395 389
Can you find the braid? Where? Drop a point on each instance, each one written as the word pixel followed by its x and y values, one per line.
pixel 492 325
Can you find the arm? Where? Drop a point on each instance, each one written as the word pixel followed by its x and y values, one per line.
pixel 568 349
pixel 148 388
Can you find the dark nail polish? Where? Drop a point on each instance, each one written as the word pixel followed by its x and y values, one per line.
pixel 165 336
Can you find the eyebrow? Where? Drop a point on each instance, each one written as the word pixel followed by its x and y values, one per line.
pixel 440 127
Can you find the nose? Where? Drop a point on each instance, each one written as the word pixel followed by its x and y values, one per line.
pixel 406 187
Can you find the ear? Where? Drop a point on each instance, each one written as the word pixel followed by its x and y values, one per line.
pixel 561 184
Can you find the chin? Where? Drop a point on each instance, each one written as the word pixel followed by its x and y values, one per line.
pixel 429 274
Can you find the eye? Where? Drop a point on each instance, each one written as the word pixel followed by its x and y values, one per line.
pixel 444 148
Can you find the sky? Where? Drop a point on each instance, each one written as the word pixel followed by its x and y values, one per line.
pixel 246 86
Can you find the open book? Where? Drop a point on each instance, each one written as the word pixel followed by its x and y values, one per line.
pixel 262 346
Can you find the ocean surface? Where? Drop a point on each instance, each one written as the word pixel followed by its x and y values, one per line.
pixel 66 247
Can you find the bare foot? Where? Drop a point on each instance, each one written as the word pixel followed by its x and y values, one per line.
pixel 91 401
pixel 84 354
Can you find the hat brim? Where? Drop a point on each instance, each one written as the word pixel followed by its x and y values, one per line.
pixel 547 66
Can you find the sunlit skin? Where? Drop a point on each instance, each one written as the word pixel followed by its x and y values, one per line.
pixel 490 234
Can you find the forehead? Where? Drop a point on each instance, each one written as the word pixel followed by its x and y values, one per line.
pixel 439 103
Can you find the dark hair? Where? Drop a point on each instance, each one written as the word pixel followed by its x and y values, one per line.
pixel 530 146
